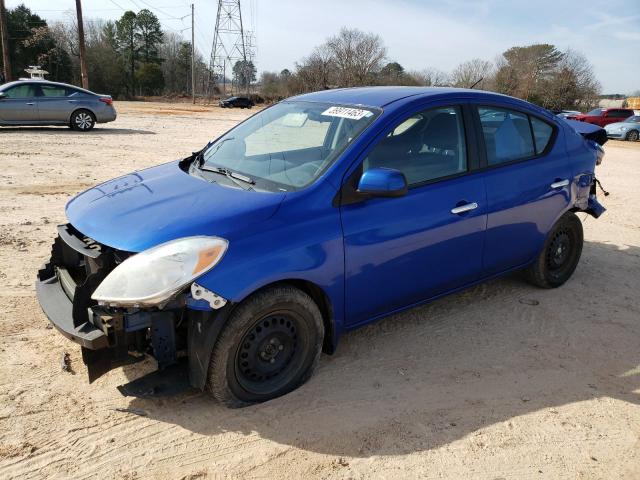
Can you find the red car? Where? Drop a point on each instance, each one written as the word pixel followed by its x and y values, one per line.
pixel 603 116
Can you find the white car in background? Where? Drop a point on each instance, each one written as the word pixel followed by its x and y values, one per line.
pixel 628 129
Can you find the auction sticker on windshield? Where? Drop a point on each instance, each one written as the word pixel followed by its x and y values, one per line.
pixel 346 112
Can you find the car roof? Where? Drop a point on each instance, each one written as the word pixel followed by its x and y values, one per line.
pixel 44 82
pixel 382 96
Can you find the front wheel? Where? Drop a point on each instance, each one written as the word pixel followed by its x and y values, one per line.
pixel 82 120
pixel 269 347
pixel 560 255
pixel 633 136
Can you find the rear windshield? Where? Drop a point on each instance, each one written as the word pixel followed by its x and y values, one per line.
pixel 596 112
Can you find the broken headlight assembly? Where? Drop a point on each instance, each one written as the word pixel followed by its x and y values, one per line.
pixel 152 277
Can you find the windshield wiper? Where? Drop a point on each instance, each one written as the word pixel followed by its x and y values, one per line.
pixel 231 175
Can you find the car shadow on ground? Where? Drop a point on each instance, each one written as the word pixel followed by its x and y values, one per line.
pixel 438 373
pixel 96 131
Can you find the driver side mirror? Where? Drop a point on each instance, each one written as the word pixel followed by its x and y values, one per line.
pixel 3 95
pixel 383 182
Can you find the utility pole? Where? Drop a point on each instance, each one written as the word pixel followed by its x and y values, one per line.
pixel 83 59
pixel 5 43
pixel 193 58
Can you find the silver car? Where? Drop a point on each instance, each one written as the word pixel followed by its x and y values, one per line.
pixel 628 129
pixel 40 102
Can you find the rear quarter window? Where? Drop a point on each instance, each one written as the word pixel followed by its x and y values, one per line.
pixel 542 133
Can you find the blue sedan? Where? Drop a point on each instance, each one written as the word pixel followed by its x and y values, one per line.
pixel 318 215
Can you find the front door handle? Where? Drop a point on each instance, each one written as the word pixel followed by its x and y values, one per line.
pixel 30 103
pixel 559 184
pixel 464 208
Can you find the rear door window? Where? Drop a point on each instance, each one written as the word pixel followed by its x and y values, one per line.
pixel 54 91
pixel 507 135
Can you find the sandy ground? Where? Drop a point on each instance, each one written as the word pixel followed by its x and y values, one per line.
pixel 499 381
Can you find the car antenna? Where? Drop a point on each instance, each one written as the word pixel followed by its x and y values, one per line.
pixel 472 86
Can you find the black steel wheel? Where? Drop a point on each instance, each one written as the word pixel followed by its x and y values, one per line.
pixel 560 255
pixel 270 346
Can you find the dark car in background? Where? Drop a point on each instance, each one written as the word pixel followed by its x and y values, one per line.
pixel 41 102
pixel 603 116
pixel 236 102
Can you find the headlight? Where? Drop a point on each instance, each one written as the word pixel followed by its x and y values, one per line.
pixel 622 129
pixel 153 276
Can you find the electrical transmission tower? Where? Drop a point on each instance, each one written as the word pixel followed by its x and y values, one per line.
pixel 231 44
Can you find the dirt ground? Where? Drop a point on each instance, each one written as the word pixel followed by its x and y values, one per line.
pixel 500 381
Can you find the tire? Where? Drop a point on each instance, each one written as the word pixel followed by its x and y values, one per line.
pixel 82 120
pixel 270 346
pixel 632 136
pixel 560 255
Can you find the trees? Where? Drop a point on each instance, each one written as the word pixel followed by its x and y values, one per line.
pixel 244 73
pixel 523 70
pixel 138 38
pixel 473 72
pixel 544 75
pixel 149 79
pixel 356 55
pixel 32 42
pixel 429 77
pixel 127 45
pixel 149 35
pixel 318 70
pixel 392 74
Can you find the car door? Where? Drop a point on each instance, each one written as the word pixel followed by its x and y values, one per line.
pixel 54 105
pixel 400 251
pixel 528 179
pixel 19 105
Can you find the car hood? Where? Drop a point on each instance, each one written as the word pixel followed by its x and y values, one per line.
pixel 142 209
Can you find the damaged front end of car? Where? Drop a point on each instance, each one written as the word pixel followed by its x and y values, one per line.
pixel 120 306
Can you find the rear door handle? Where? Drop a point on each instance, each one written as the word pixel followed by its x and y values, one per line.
pixel 464 208
pixel 30 103
pixel 560 184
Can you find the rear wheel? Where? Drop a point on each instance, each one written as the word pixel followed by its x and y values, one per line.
pixel 560 255
pixel 82 120
pixel 270 346
pixel 633 136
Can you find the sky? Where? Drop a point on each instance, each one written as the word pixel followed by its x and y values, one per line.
pixel 417 33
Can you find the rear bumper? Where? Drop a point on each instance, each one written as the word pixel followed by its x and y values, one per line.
pixel 59 310
pixel 107 115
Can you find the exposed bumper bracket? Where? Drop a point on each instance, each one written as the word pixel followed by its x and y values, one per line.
pixel 198 292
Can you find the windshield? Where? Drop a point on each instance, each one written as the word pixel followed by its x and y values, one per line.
pixel 596 112
pixel 287 146
pixel 634 119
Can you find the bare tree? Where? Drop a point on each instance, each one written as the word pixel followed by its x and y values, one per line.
pixel 357 56
pixel 316 72
pixel 430 77
pixel 473 72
